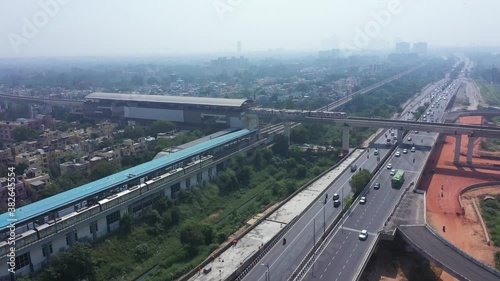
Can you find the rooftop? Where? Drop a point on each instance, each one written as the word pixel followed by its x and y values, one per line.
pixel 169 99
pixel 77 194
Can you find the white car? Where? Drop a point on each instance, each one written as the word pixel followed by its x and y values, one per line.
pixel 375 152
pixel 412 149
pixel 398 154
pixel 389 166
pixel 393 172
pixel 405 151
pixel 363 234
pixel 362 200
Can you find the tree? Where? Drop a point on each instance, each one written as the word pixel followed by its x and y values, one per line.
pixel 133 132
pixel 161 126
pixel 103 169
pixel 21 168
pixel 23 133
pixel 191 236
pixel 359 181
pixel 126 223
pixel 280 145
pixel 77 264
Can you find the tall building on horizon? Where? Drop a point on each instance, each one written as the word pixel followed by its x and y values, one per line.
pixel 420 48
pixel 239 47
pixel 402 47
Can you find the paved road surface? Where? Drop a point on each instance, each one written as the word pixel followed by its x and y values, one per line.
pixel 345 254
pixel 436 250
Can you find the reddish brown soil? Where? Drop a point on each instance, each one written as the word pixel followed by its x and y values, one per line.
pixel 443 190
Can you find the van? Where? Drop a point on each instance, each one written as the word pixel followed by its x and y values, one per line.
pixel 354 167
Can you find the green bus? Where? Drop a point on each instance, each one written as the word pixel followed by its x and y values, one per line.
pixel 398 179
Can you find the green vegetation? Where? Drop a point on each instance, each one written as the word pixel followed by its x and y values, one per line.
pixel 385 101
pixel 76 264
pixel 489 92
pixel 359 181
pixel 23 133
pixel 490 210
pixel 176 236
pixel 490 144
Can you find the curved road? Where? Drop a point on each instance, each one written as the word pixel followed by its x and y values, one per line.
pixel 435 249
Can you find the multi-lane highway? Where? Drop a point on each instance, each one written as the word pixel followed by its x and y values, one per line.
pixel 345 254
pixel 282 260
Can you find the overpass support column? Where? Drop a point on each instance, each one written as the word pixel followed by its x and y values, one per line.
pixel 345 139
pixel 286 131
pixel 470 149
pixel 400 136
pixel 458 144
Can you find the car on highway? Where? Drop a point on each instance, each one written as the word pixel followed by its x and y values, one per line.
pixel 376 186
pixel 354 167
pixel 405 151
pixel 412 149
pixel 336 196
pixel 393 172
pixel 363 234
pixel 375 152
pixel 336 203
pixel 416 132
pixel 398 154
pixel 362 200
pixel 409 138
pixel 389 166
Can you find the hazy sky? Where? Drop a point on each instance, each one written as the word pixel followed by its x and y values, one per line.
pixel 145 27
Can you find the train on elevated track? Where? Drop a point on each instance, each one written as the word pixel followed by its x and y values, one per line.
pixel 302 113
pixel 91 208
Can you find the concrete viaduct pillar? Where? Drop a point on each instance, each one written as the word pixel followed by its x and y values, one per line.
pixel 458 144
pixel 345 140
pixel 399 133
pixel 470 149
pixel 286 131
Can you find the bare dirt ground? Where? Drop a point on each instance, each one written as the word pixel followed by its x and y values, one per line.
pixel 443 190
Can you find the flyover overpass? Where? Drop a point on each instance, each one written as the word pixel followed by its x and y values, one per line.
pixel 472 131
pixel 435 248
pixel 488 112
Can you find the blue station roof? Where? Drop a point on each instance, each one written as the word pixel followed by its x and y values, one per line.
pixel 76 194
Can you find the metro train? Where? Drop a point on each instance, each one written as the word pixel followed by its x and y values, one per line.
pixel 291 112
pixel 39 232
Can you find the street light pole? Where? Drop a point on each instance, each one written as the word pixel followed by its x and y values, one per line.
pixel 314 233
pixel 324 221
pixel 267 272
pixel 342 205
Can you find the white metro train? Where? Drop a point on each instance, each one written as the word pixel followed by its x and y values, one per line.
pixel 290 112
pixel 30 236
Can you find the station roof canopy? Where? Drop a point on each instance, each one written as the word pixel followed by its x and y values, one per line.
pixel 204 101
pixel 77 194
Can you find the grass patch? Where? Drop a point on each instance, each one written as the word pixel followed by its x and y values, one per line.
pixel 489 92
pixel 490 210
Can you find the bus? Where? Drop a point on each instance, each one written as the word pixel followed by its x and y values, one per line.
pixel 398 179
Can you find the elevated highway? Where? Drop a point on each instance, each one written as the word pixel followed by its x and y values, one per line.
pixel 435 248
pixel 404 125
